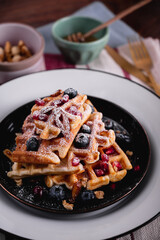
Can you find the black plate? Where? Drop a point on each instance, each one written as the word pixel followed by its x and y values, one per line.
pixel 130 135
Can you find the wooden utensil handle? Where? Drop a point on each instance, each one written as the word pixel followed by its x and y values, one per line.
pixel 154 83
pixel 117 17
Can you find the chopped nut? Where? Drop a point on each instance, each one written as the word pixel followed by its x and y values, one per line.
pixel 14 53
pixel 48 181
pixel 7 47
pixel 15 50
pixel 129 153
pixel 8 57
pixel 1 54
pixel 18 182
pixel 99 194
pixel 68 206
pixel 16 58
pixel 20 43
pixel 25 51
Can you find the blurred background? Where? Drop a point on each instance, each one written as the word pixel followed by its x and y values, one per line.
pixel 145 21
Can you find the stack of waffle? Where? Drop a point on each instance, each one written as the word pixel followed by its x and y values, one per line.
pixel 65 140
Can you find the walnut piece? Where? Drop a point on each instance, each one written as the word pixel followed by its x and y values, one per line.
pixel 68 206
pixel 18 182
pixel 129 153
pixel 99 194
pixel 1 54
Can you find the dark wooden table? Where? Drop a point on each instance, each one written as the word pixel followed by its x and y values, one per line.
pixel 146 21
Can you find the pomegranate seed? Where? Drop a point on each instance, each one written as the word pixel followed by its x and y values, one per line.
pixel 113 186
pixel 104 158
pixel 104 166
pixel 72 110
pixel 38 191
pixel 65 98
pixel 57 103
pixel 110 151
pixel 137 168
pixel 117 165
pixel 52 103
pixel 43 117
pixel 75 161
pixel 99 172
pixel 39 102
pixel 36 115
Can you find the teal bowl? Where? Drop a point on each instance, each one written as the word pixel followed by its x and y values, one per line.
pixel 79 53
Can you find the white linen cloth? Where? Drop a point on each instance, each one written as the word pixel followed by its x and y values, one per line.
pixel 106 63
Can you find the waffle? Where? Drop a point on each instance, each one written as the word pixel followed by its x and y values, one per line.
pixel 98 137
pixel 74 182
pixel 68 180
pixel 62 144
pixel 43 155
pixel 59 119
pixel 50 151
pixel 118 165
pixel 55 122
pixel 22 170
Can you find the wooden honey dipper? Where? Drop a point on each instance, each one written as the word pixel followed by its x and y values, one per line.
pixel 79 37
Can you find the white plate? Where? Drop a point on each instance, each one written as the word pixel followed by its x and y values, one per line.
pixel 125 215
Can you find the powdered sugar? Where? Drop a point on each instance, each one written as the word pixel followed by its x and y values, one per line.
pixel 62 121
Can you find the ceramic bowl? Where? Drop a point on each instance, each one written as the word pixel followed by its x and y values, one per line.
pixel 14 32
pixel 79 53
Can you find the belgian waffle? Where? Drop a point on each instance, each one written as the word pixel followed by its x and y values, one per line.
pixel 59 119
pixel 22 170
pixel 68 180
pixel 74 182
pixel 55 122
pixel 98 137
pixel 50 151
pixel 62 144
pixel 118 164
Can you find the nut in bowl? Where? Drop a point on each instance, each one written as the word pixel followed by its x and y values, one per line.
pixel 21 51
pixel 74 52
pixel 17 53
